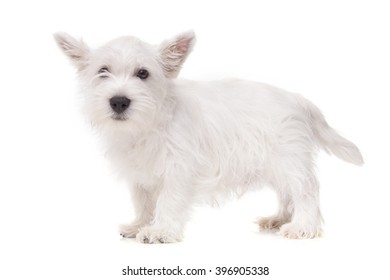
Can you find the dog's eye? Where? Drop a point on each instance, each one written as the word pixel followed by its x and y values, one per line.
pixel 103 71
pixel 142 74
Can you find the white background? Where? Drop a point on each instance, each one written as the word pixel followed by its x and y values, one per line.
pixel 59 203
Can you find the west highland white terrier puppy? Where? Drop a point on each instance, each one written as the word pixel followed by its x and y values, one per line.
pixel 180 142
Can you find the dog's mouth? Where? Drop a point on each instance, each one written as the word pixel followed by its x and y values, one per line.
pixel 119 117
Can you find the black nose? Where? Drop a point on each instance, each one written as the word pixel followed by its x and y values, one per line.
pixel 119 103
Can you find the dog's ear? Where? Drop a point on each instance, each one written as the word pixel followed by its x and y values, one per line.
pixel 75 49
pixel 174 52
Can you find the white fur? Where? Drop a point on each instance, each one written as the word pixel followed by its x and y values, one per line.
pixel 183 142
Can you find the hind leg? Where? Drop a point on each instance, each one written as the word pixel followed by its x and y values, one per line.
pixel 273 223
pixel 294 179
pixel 306 218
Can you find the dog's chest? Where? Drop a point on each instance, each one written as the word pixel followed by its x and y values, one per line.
pixel 143 162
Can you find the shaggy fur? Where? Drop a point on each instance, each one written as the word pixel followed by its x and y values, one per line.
pixel 182 142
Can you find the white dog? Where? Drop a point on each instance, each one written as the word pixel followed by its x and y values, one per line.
pixel 180 142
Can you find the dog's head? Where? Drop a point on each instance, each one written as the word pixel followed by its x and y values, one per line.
pixel 125 82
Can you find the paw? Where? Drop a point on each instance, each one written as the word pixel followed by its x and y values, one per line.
pixel 129 230
pixel 154 235
pixel 296 231
pixel 270 223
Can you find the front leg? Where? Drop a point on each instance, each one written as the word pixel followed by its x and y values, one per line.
pixel 144 204
pixel 172 211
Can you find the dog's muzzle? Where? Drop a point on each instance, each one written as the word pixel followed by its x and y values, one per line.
pixel 119 104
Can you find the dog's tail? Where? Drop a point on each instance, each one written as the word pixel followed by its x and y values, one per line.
pixel 328 138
